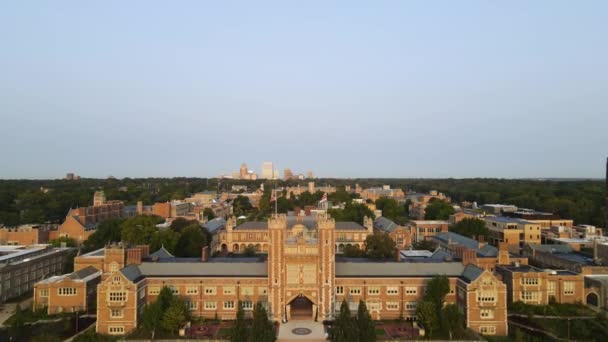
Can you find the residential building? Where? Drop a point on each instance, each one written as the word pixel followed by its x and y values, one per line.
pixel 419 202
pixel 300 279
pixel 287 174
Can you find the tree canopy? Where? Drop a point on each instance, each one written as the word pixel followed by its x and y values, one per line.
pixel 380 246
pixel 438 210
pixel 471 227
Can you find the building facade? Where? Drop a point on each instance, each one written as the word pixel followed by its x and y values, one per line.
pixel 300 278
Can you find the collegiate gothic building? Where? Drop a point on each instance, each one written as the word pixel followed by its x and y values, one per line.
pixel 300 278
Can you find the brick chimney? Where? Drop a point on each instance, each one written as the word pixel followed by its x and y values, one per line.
pixel 469 256
pixel 133 256
pixel 145 250
pixel 205 254
pixel 503 253
pixel 140 208
pixel 397 255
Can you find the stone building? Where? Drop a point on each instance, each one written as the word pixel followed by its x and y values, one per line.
pixel 426 229
pixel 513 231
pixel 300 278
pixel 402 235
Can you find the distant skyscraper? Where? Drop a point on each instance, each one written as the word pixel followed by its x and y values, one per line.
pixel 267 170
pixel 287 174
pixel 309 175
pixel 243 171
pixel 69 176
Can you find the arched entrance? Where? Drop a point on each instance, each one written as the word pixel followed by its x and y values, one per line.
pixel 592 299
pixel 301 308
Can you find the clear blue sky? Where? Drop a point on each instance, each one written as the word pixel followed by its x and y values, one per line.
pixel 347 89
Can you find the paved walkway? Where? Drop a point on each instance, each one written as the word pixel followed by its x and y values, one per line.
pixel 286 331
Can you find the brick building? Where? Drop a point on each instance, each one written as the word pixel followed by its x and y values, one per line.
pixel 24 235
pixel 300 278
pixel 67 293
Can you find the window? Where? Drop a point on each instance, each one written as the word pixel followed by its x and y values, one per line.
pixel 411 290
pixel 374 306
pixel 174 289
pixel 529 296
pixel 113 267
pixel 568 287
pixel 117 296
pixel 411 305
pixel 262 291
pixel 228 290
pixel 393 290
pixel 153 290
pixel 486 297
pixel 113 330
pixel 373 290
pixel 229 305
pixel 551 288
pixel 392 305
pixel 66 291
pixel 247 291
pixel 210 290
pixel 486 313
pixel 116 313
pixel 43 292
pixel 487 330
pixel 210 305
pixel 529 281
pixel 247 305
pixel 192 290
pixel 116 279
pixel 340 290
pixel 355 290
pixel 192 305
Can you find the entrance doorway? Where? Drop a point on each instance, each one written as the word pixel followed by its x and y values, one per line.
pixel 301 308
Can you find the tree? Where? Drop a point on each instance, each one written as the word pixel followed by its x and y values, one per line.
pixel 18 322
pixel 166 238
pixel 152 316
pixel 191 241
pixel 69 242
pixel 249 251
pixel 262 329
pixel 453 320
pixel 365 326
pixel 436 290
pixel 392 210
pixel 438 210
pixel 239 331
pixel 344 329
pixel 139 230
pixel 351 251
pixel 426 314
pixel 352 212
pixel 208 213
pixel 241 205
pixel 471 227
pixel 107 231
pixel 180 223
pixel 380 246
pixel 175 316
pixel 424 245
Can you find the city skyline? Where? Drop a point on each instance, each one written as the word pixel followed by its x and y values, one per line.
pixel 476 89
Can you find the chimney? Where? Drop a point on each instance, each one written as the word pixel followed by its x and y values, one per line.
pixel 397 255
pixel 503 253
pixel 145 250
pixel 140 208
pixel 133 256
pixel 205 254
pixel 469 256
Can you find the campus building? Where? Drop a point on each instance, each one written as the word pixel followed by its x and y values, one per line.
pixel 67 293
pixel 300 278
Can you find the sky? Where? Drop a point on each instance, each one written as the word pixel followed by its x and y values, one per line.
pixel 428 89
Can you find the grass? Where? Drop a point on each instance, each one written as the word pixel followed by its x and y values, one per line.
pixel 224 332
pixel 551 309
pixel 379 332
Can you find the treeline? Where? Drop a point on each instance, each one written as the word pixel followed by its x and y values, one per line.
pixel 39 201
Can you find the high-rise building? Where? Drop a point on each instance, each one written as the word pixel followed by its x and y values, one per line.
pixel 99 198
pixel 243 171
pixel 309 175
pixel 267 170
pixel 287 174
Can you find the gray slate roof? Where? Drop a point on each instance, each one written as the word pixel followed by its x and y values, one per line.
pixel 162 253
pixel 397 269
pixel 349 226
pixel 471 272
pixel 558 248
pixel 384 224
pixel 83 273
pixel 215 224
pixel 485 251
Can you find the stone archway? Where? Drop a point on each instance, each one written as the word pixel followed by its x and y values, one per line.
pixel 592 299
pixel 301 308
pixel 224 248
pixel 235 247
